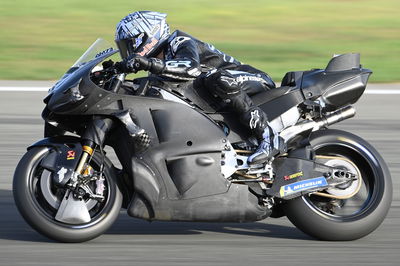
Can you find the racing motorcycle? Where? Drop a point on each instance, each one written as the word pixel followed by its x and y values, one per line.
pixel 184 158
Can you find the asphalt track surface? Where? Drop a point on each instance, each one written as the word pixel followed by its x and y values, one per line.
pixel 136 242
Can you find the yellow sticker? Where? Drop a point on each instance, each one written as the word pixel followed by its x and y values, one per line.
pixel 298 174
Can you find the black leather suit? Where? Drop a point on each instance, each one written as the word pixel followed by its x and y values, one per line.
pixel 187 58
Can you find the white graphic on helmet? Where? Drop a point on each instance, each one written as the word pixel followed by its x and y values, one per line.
pixel 147 29
pixel 151 23
pixel 255 118
pixel 139 40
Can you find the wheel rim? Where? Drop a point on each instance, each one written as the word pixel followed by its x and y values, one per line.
pixel 346 190
pixel 46 197
pixel 363 201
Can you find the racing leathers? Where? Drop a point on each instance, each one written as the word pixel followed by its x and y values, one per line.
pixel 187 58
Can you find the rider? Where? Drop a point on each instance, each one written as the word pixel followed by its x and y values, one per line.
pixel 145 43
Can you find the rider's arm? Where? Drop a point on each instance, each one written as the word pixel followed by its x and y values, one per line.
pixel 185 59
pixel 184 63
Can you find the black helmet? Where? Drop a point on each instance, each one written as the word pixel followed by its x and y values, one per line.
pixel 142 33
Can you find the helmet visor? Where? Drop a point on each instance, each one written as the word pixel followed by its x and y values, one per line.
pixel 132 45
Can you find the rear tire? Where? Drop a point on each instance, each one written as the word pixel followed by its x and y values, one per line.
pixel 39 214
pixel 371 203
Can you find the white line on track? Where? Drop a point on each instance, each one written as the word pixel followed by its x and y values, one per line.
pixel 382 92
pixel 23 89
pixel 33 89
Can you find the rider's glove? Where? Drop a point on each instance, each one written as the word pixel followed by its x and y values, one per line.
pixel 136 63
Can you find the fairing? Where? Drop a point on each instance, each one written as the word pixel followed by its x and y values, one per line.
pixel 178 176
pixel 341 83
pixel 68 93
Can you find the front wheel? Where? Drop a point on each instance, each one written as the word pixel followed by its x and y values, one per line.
pixel 39 201
pixel 335 218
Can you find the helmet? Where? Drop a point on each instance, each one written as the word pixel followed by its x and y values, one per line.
pixel 142 33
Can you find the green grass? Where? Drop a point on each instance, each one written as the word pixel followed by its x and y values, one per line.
pixel 40 39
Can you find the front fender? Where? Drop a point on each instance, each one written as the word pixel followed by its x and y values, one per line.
pixel 56 142
pixel 63 156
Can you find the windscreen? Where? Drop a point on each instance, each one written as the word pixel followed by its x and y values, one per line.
pixel 100 48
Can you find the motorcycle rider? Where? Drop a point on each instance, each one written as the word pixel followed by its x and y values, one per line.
pixel 145 43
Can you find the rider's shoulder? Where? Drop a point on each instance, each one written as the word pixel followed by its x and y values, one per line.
pixel 179 33
pixel 179 38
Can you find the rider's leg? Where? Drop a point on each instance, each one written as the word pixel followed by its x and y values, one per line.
pixel 270 143
pixel 229 86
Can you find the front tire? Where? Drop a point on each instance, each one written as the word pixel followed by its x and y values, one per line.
pixel 38 211
pixel 357 216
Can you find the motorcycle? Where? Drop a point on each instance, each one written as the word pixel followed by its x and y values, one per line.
pixel 184 157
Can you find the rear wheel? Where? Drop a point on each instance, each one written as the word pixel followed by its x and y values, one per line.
pixel 39 200
pixel 349 212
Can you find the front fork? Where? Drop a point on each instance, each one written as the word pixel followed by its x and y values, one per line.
pixel 75 209
pixel 93 137
pixel 88 148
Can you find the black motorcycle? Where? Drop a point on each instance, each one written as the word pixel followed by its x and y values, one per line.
pixel 184 156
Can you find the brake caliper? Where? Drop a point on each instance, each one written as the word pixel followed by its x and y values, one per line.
pixel 83 188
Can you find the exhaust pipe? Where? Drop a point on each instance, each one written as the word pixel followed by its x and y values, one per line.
pixel 337 116
pixel 333 118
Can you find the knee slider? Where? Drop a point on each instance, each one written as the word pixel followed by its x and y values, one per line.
pixel 223 83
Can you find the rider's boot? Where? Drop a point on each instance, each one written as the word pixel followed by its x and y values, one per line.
pixel 270 143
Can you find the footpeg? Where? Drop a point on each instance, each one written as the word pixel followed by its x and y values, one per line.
pixel 261 169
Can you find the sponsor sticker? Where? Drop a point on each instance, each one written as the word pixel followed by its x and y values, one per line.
pixel 295 175
pixel 61 174
pixel 148 47
pixel 177 42
pixel 70 155
pixel 104 52
pixel 255 118
pixel 303 185
pixel 174 63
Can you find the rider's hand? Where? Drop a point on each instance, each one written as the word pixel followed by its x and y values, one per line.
pixel 136 63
